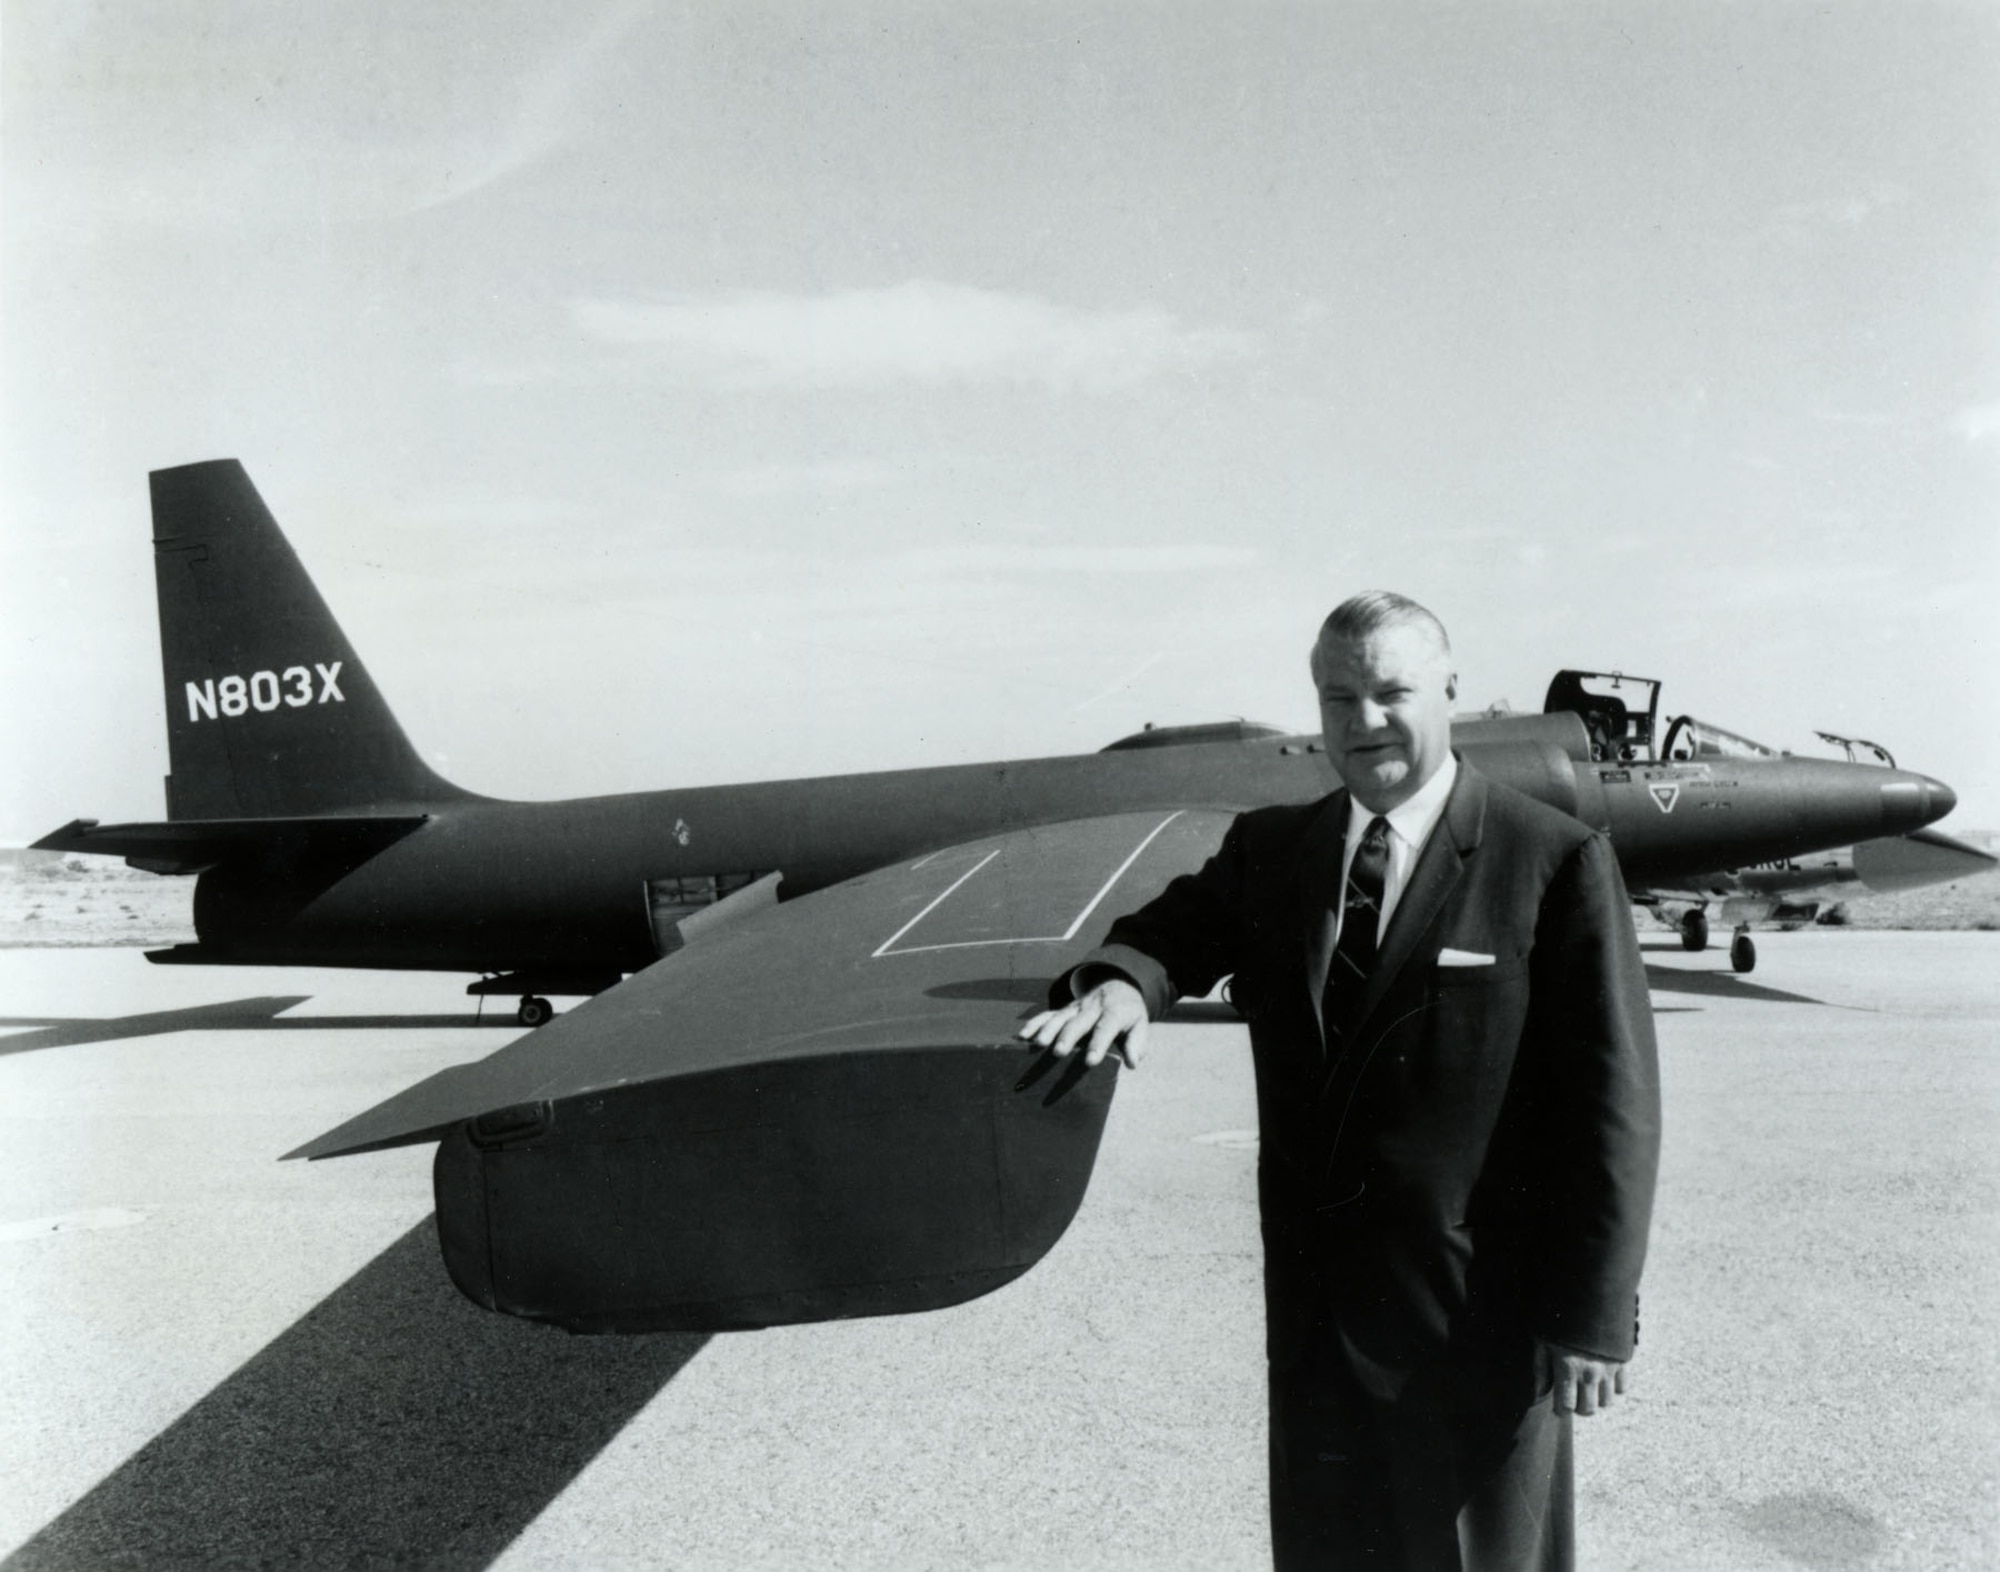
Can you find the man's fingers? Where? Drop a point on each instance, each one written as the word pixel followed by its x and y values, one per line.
pixel 1045 1029
pixel 1115 1031
pixel 1032 1029
pixel 1083 1017
pixel 1100 1020
pixel 1102 1035
pixel 1584 1386
pixel 1562 1386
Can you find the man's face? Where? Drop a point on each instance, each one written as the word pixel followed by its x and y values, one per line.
pixel 1385 711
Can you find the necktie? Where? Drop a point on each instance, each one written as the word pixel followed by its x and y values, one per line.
pixel 1354 953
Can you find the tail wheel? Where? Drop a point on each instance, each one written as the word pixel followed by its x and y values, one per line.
pixel 534 1012
pixel 1743 953
pixel 1694 930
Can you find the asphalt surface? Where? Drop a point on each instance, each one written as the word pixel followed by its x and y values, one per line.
pixel 208 1357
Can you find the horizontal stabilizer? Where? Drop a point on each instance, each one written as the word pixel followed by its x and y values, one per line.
pixel 192 845
pixel 819 1111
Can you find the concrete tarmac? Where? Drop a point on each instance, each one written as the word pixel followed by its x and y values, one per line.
pixel 211 1358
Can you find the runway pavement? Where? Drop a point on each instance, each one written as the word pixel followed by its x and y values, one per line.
pixel 208 1357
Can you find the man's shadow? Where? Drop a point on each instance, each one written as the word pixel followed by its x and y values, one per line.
pixel 395 1424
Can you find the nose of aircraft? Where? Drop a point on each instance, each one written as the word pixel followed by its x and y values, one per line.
pixel 1909 802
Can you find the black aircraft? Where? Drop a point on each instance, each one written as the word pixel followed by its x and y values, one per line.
pixel 796 1094
pixel 1620 715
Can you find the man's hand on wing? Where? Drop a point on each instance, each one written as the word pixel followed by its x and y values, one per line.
pixel 1110 1015
pixel 1583 1382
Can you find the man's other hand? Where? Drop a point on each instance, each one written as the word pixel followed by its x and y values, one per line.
pixel 1111 1015
pixel 1584 1383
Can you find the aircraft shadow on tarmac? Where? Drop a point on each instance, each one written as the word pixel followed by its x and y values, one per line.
pixel 1033 992
pixel 261 1014
pixel 394 1424
pixel 1723 985
pixel 266 1012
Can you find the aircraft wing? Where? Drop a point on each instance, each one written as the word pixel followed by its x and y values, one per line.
pixel 1887 863
pixel 1923 857
pixel 819 1111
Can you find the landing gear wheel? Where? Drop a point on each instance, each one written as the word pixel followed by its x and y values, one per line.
pixel 1694 930
pixel 534 1012
pixel 1743 953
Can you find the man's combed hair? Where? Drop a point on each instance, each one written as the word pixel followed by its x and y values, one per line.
pixel 1371 611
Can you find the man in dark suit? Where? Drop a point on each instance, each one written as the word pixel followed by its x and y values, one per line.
pixel 1458 1098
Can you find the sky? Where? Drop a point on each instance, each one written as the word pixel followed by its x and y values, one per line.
pixel 675 394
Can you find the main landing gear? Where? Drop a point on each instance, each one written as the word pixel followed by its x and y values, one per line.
pixel 1694 936
pixel 539 1012
pixel 532 987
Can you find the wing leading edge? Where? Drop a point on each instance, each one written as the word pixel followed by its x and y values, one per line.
pixel 821 1112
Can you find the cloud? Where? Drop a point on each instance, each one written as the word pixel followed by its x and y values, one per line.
pixel 541 119
pixel 1829 585
pixel 1876 419
pixel 1121 684
pixel 1839 212
pixel 260 127
pixel 1978 423
pixel 920 332
pixel 1060 561
pixel 828 478
pixel 493 511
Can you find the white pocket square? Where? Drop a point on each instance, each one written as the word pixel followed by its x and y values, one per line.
pixel 1450 957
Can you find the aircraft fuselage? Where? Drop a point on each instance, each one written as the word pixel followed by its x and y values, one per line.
pixel 571 886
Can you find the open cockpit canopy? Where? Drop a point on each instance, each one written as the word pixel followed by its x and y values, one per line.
pixel 1617 711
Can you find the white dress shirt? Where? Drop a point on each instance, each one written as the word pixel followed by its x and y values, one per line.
pixel 1410 825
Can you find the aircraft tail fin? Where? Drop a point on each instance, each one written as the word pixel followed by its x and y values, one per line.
pixel 269 711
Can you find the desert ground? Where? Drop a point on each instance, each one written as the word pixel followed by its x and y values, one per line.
pixel 215 1358
pixel 48 900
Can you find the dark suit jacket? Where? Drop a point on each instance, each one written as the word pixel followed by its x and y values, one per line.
pixel 1479 1161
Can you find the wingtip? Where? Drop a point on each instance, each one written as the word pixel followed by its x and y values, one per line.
pixel 64 839
pixel 419 1113
pixel 344 1141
